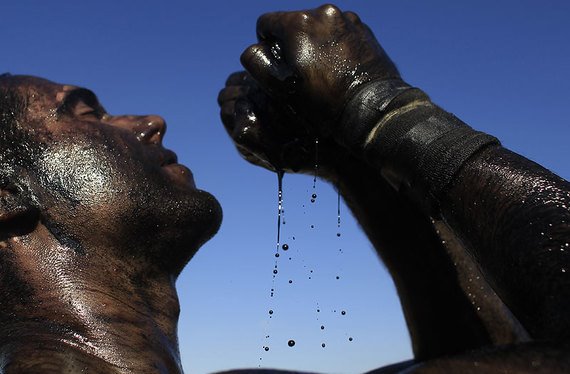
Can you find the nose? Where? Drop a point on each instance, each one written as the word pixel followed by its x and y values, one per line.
pixel 149 129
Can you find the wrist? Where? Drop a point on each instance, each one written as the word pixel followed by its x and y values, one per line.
pixel 419 149
pixel 368 106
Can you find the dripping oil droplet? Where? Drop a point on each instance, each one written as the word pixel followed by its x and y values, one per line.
pixel 316 163
pixel 279 204
pixel 338 213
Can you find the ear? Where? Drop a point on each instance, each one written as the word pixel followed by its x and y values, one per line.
pixel 17 214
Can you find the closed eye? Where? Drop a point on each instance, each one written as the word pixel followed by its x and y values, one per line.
pixel 81 109
pixel 81 102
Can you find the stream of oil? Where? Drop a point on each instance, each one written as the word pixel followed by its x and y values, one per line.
pixel 338 214
pixel 285 247
pixel 280 174
pixel 316 171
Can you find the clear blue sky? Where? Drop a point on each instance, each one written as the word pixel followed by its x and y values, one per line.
pixel 502 66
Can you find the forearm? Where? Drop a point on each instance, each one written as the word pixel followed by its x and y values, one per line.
pixel 530 357
pixel 514 215
pixel 439 315
pixel 415 145
pixel 511 213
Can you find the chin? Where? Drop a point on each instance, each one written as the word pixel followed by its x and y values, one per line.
pixel 211 215
pixel 201 223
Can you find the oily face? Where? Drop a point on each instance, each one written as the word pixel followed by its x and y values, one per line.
pixel 107 181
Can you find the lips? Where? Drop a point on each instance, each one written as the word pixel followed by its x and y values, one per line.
pixel 180 173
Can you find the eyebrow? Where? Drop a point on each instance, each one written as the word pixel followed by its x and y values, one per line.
pixel 75 96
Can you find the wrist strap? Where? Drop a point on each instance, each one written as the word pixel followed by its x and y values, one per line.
pixel 368 106
pixel 421 150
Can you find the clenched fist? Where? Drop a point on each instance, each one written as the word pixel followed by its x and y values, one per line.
pixel 300 76
pixel 315 60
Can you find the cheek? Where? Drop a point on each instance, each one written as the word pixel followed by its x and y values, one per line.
pixel 81 174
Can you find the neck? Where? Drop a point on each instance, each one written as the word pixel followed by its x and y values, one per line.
pixel 88 311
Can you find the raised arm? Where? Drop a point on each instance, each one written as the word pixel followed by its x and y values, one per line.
pixel 403 163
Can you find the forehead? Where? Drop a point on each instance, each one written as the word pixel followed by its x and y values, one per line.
pixel 36 90
pixel 41 95
pixel 29 84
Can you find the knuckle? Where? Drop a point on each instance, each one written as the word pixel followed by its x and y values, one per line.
pixel 250 54
pixel 221 97
pixel 261 22
pixel 235 78
pixel 300 18
pixel 256 52
pixel 251 50
pixel 266 24
pixel 329 10
pixel 232 93
pixel 246 135
pixel 353 17
pixel 227 116
pixel 243 107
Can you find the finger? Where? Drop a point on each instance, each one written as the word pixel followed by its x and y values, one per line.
pixel 247 136
pixel 237 120
pixel 296 155
pixel 232 93
pixel 227 114
pixel 254 158
pixel 329 10
pixel 240 121
pixel 245 131
pixel 238 78
pixel 270 26
pixel 353 17
pixel 283 26
pixel 270 72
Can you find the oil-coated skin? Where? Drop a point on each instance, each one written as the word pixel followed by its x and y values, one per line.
pixel 96 221
pixel 484 287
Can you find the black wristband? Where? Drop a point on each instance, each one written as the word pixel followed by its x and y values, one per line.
pixel 364 109
pixel 420 151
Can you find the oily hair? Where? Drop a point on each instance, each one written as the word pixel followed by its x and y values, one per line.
pixel 13 107
pixel 17 147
